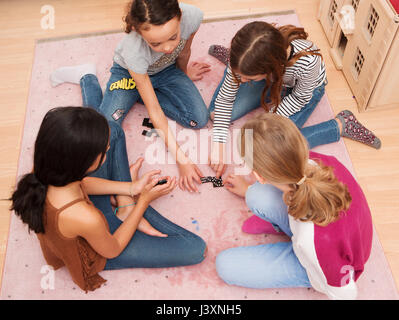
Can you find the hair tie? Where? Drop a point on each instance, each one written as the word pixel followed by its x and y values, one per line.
pixel 301 181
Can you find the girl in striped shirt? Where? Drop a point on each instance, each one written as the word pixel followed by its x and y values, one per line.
pixel 279 69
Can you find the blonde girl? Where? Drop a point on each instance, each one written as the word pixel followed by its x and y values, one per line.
pixel 312 199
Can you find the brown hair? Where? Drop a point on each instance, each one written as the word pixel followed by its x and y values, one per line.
pixel 280 154
pixel 155 12
pixel 261 48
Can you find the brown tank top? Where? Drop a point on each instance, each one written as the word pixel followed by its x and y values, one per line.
pixel 82 262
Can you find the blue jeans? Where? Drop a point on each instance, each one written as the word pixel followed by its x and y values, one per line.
pixel 180 248
pixel 178 96
pixel 248 99
pixel 264 266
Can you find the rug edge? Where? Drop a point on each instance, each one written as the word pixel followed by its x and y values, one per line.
pixel 215 17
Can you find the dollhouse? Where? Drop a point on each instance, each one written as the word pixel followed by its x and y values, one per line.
pixel 364 44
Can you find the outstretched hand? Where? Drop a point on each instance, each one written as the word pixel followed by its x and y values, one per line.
pixel 152 192
pixel 189 175
pixel 196 70
pixel 216 159
pixel 236 184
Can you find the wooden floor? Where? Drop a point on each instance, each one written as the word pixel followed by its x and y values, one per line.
pixel 20 25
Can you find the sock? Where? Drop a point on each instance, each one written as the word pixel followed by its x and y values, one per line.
pixel 256 225
pixel 221 53
pixel 71 74
pixel 353 129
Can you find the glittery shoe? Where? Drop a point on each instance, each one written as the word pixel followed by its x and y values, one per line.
pixel 221 53
pixel 353 129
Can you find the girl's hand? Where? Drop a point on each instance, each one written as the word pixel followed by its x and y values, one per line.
pixel 189 174
pixel 145 227
pixel 138 186
pixel 197 69
pixel 152 192
pixel 236 184
pixel 216 159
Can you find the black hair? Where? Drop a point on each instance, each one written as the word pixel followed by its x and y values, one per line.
pixel 69 141
pixel 156 12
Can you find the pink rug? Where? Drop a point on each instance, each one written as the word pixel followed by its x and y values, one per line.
pixel 214 214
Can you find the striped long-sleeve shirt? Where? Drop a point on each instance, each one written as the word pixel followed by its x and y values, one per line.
pixel 303 77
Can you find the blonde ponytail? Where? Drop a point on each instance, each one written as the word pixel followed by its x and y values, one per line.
pixel 321 198
pixel 280 155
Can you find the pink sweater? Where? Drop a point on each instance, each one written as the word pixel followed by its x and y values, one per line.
pixel 334 256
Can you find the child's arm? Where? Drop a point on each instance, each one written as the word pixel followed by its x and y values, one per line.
pixel 223 109
pixel 157 116
pixel 306 82
pixel 92 227
pixel 100 186
pixel 188 170
pixel 194 71
pixel 224 106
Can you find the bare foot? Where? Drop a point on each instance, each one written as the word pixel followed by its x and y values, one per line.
pixel 135 167
pixel 113 201
pixel 145 227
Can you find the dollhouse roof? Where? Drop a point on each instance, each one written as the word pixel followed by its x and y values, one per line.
pixel 395 4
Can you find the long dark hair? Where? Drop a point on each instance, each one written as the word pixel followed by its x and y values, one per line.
pixel 156 12
pixel 69 141
pixel 261 48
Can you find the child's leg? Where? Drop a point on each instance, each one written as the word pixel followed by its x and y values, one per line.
pixel 248 98
pixel 85 75
pixel 303 115
pixel 116 165
pixel 92 95
pixel 261 267
pixel 329 131
pixel 266 201
pixel 119 96
pixel 321 133
pixel 144 250
pixel 180 248
pixel 179 98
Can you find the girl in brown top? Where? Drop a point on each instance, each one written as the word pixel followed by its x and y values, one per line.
pixel 77 152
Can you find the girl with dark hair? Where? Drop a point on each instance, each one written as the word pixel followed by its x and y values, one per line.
pixel 151 66
pixel 78 153
pixel 279 69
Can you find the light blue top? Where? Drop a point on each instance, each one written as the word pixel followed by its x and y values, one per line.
pixel 135 54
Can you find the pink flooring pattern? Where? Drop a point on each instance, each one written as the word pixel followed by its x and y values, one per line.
pixel 214 214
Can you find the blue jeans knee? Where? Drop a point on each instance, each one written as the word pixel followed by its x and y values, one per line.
pixel 116 131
